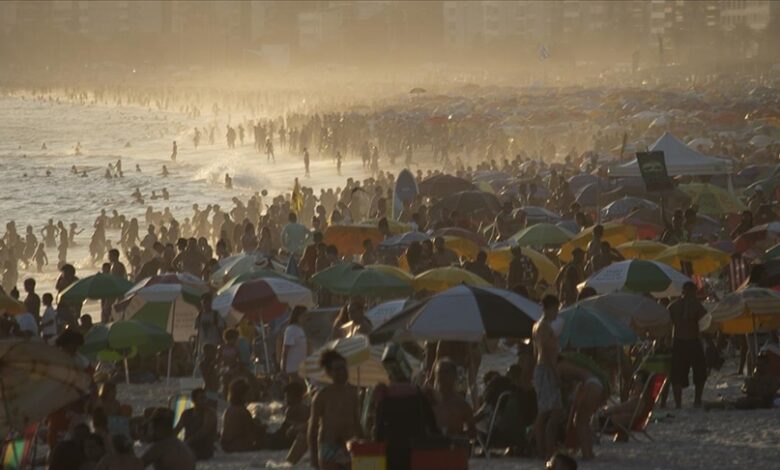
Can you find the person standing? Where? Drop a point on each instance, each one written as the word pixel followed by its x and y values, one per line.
pixel 569 277
pixel 546 381
pixel 306 160
pixel 174 152
pixel 294 235
pixel 295 345
pixel 32 302
pixel 687 349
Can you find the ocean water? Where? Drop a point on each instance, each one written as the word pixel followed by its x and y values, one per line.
pixel 29 197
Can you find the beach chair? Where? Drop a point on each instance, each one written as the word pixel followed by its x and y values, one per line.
pixel 485 443
pixel 19 453
pixel 643 412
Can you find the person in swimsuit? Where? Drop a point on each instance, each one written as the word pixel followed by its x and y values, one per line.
pixel 546 382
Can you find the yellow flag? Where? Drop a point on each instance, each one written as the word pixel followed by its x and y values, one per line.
pixel 296 200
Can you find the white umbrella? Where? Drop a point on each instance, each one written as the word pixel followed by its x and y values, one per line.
pixel 640 276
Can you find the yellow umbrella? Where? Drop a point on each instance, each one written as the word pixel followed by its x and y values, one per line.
pixel 500 258
pixel 704 259
pixel 712 199
pixel 441 279
pixel 10 305
pixel 641 249
pixel 463 247
pixel 349 238
pixel 614 232
pixel 393 271
pixel 747 311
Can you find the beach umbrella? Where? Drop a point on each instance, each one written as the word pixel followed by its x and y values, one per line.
pixel 639 276
pixel 125 338
pixel 364 362
pixel 353 279
pixel 713 200
pixel 624 206
pixel 261 273
pixel 441 185
pixel 638 312
pixel 703 259
pixel 165 306
pixel 615 233
pixel 348 239
pixel 759 233
pixel 440 279
pixel 644 230
pixel 748 310
pixel 772 253
pixel 584 327
pixel 382 313
pixel 469 202
pixel 641 249
pixel 189 287
pixel 541 235
pixel 393 271
pixel 535 215
pixel 402 241
pixel 10 305
pixel 36 379
pixel 500 256
pixel 463 313
pixel 461 233
pixel 261 300
pixel 236 265
pixel 462 247
pixel 98 286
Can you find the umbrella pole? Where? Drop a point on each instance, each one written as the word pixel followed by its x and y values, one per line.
pixel 127 372
pixel 755 340
pixel 265 348
pixel 168 378
pixel 170 351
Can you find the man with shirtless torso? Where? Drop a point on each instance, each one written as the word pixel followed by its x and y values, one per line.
pixel 335 417
pixel 167 452
pixel 548 392
pixel 454 415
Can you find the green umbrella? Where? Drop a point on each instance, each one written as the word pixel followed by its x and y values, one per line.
pixel 257 274
pixel 353 279
pixel 542 234
pixel 125 338
pixel 587 328
pixel 98 286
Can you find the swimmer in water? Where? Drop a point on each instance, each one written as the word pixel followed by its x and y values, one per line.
pixel 154 195
pixel 108 173
pixel 127 145
pixel 175 151
pixel 77 150
pixel 84 174
pixel 74 170
pixel 165 194
pixel 43 146
pixel 228 181
pixel 165 171
pixel 48 172
pixel 137 168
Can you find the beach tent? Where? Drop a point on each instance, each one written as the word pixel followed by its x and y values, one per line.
pixel 680 160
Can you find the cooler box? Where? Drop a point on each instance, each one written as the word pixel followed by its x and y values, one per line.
pixel 440 459
pixel 368 455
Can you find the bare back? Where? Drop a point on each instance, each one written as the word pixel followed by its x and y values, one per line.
pixel 545 343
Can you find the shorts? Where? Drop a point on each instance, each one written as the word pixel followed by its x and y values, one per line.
pixel 687 354
pixel 334 453
pixel 548 391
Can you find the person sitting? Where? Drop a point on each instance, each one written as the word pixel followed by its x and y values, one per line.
pixel 167 452
pixel 240 433
pixel 292 433
pixel 622 414
pixel 454 416
pixel 200 426
pixel 760 390
pixel 123 457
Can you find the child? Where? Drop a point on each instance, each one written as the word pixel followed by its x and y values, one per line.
pixel 49 318
pixel 40 257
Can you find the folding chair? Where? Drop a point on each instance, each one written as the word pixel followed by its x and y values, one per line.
pixel 485 444
pixel 643 412
pixel 19 453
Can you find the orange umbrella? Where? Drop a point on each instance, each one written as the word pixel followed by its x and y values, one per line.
pixel 349 238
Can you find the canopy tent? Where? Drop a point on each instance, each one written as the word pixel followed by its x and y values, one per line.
pixel 680 160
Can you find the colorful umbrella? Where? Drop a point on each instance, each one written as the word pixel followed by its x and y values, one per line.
pixel 35 380
pixel 702 258
pixel 642 276
pixel 713 200
pixel 125 338
pixel 615 233
pixel 353 279
pixel 170 307
pixel 463 313
pixel 261 300
pixel 257 274
pixel 500 256
pixel 641 249
pixel 191 288
pixel 541 235
pixel 748 310
pixel 759 233
pixel 239 264
pixel 364 362
pixel 440 279
pixel 382 313
pixel 97 286
pixel 585 328
pixel 638 312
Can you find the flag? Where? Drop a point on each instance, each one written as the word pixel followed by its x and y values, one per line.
pixel 296 200
pixel 544 54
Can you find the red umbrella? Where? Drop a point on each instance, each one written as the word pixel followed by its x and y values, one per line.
pixel 261 300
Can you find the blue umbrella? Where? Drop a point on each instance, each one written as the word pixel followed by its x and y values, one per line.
pixel 587 328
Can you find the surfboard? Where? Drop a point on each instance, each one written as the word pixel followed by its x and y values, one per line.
pixel 405 191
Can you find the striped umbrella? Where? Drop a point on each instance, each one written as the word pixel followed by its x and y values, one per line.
pixel 640 276
pixel 35 380
pixel 260 273
pixel 439 279
pixel 463 313
pixel 261 300
pixel 97 286
pixel 363 360
pixel 640 313
pixel 384 312
pixel 748 310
